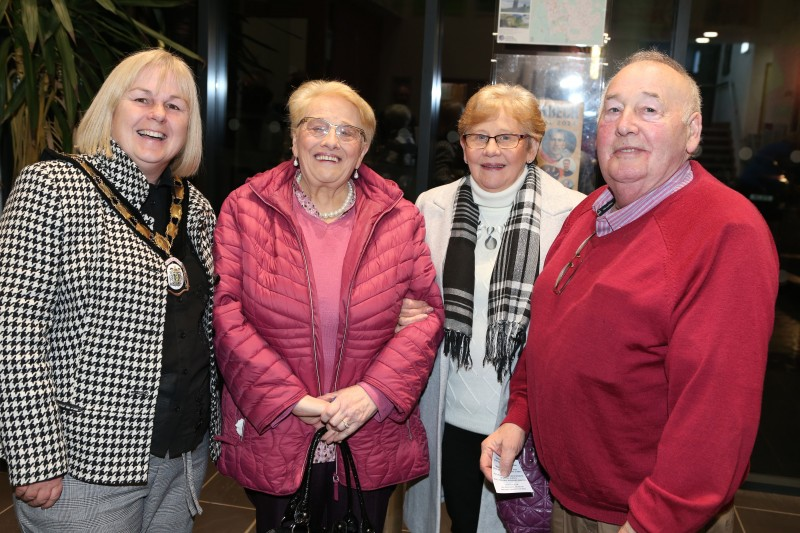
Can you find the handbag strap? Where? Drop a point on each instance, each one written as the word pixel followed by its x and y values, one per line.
pixel 298 510
pixel 350 466
pixel 349 522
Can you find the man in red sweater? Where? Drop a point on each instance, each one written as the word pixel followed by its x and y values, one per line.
pixel 643 372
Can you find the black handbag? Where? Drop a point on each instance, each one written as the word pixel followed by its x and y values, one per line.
pixel 297 518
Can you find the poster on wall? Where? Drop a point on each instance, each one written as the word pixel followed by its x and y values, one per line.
pixel 568 87
pixel 560 151
pixel 552 22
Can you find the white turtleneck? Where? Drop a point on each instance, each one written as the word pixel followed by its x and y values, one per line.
pixel 473 395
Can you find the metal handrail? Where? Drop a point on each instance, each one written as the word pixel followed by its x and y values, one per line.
pixel 736 124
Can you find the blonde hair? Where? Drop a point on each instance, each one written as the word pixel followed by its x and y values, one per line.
pixel 517 101
pixel 302 97
pixel 94 131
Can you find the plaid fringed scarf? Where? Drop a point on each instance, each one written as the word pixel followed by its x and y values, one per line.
pixel 512 278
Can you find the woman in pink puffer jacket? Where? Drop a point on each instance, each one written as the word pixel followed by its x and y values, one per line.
pixel 315 257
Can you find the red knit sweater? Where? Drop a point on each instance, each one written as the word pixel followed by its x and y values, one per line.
pixel 645 375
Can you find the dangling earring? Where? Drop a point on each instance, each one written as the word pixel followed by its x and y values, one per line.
pixel 355 174
pixel 296 162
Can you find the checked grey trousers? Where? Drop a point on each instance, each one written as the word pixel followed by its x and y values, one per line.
pixel 168 502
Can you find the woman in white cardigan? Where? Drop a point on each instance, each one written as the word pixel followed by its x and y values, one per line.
pixel 489 234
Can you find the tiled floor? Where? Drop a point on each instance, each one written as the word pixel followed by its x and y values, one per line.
pixel 227 510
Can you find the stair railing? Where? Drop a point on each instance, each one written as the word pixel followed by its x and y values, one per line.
pixel 736 124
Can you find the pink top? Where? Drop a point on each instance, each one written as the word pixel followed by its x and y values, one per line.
pixel 327 245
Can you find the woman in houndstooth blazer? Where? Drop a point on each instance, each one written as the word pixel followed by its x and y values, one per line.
pixel 107 374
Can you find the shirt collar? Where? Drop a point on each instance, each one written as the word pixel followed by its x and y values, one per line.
pixel 610 218
pixel 166 179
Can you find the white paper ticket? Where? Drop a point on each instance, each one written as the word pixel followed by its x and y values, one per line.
pixel 514 483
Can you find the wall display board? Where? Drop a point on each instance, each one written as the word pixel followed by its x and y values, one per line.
pixel 560 152
pixel 552 22
pixel 569 87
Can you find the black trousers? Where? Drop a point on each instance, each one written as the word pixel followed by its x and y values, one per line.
pixel 326 507
pixel 462 480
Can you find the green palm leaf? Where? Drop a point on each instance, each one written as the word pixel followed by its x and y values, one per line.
pixel 54 56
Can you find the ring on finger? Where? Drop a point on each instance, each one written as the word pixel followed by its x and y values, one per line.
pixel 346 424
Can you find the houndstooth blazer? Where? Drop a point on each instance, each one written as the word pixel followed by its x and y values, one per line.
pixel 82 309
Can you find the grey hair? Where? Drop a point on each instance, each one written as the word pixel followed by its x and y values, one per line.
pixel 656 56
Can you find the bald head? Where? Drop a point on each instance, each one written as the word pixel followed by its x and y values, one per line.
pixel 693 100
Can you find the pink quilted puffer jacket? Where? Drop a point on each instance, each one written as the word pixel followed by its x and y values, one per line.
pixel 267 332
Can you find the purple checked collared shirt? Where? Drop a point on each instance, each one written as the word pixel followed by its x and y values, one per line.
pixel 614 218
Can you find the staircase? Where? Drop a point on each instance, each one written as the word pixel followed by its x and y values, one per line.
pixel 716 151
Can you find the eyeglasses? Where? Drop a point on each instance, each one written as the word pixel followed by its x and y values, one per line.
pixel 319 127
pixel 568 272
pixel 506 141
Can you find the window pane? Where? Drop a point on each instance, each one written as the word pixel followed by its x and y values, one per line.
pixel 275 46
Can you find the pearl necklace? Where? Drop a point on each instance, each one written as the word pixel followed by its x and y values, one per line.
pixel 336 213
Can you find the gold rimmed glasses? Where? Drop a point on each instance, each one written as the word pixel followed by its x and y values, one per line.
pixel 319 127
pixel 570 268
